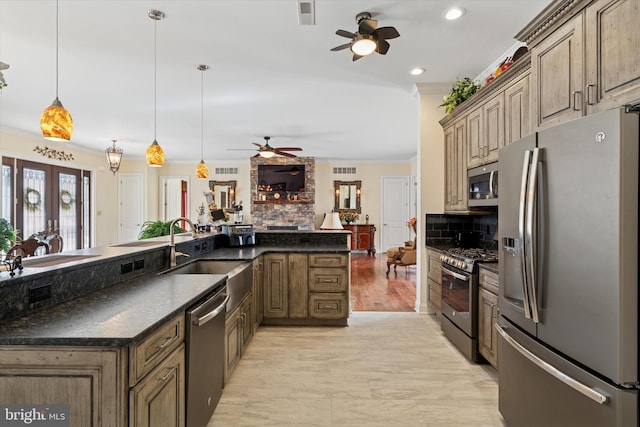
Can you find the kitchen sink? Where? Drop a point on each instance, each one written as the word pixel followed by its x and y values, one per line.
pixel 138 243
pixel 239 276
pixel 50 260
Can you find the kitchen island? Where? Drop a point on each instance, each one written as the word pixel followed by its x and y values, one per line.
pixel 107 335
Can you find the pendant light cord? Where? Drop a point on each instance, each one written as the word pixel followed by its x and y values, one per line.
pixel 57 7
pixel 202 115
pixel 155 78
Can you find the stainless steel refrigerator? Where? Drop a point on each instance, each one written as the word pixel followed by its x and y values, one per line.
pixel 568 241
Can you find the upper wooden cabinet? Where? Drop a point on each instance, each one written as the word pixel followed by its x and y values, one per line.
pixel 517 110
pixel 485 132
pixel 612 55
pixel 584 58
pixel 556 70
pixel 455 166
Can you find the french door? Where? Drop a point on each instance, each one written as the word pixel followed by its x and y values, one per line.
pixel 51 198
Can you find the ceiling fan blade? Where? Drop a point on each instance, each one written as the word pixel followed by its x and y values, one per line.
pixel 367 26
pixel 241 149
pixel 258 145
pixel 282 153
pixel 345 33
pixel 386 33
pixel 356 57
pixel 288 148
pixel 343 46
pixel 383 47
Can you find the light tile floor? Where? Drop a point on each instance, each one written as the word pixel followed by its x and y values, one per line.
pixel 385 369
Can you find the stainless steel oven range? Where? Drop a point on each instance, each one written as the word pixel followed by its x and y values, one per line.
pixel 460 297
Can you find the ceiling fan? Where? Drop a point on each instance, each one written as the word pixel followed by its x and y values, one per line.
pixel 368 38
pixel 268 151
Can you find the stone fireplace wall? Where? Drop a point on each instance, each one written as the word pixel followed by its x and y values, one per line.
pixel 284 212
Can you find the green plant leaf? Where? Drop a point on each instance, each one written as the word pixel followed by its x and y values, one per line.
pixel 7 235
pixel 158 228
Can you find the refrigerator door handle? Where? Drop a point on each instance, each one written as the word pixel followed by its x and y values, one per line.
pixel 530 241
pixel 521 227
pixel 553 371
pixel 491 193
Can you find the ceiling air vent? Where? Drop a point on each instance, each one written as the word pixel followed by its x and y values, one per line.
pixel 342 171
pixel 226 171
pixel 307 12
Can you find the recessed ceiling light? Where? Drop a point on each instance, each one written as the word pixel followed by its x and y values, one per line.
pixel 416 71
pixel 454 13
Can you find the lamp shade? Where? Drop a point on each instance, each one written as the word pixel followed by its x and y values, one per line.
pixel 114 156
pixel 267 154
pixel 56 123
pixel 155 155
pixel 202 171
pixel 331 222
pixel 364 45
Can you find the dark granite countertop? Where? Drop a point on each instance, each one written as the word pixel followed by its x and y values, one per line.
pixel 125 313
pixel 117 316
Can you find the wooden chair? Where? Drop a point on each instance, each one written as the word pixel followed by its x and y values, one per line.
pixel 28 247
pixel 401 256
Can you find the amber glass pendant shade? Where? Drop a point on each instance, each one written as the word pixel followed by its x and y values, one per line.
pixel 202 171
pixel 155 155
pixel 56 123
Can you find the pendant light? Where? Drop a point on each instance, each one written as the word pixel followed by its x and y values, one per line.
pixel 202 171
pixel 114 156
pixel 155 154
pixel 56 123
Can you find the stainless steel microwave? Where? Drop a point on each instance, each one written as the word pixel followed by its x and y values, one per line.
pixel 483 185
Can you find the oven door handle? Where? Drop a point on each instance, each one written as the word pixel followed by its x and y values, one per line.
pixel 456 275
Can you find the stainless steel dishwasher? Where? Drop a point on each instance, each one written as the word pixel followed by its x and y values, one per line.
pixel 205 356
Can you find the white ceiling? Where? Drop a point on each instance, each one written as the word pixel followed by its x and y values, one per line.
pixel 268 76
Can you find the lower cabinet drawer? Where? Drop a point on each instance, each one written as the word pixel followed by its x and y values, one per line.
pixel 328 306
pixel 435 293
pixel 327 280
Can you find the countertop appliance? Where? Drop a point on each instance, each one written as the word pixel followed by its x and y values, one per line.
pixel 483 185
pixel 205 356
pixel 568 295
pixel 239 234
pixel 459 303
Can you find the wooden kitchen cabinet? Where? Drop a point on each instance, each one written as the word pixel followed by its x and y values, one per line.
pixel 488 315
pixel 306 289
pixel 485 132
pixel 557 77
pixel 517 110
pixel 256 289
pixel 586 61
pixel 362 237
pixel 159 398
pixel 434 280
pixel 239 328
pixel 89 379
pixel 456 166
pixel 612 55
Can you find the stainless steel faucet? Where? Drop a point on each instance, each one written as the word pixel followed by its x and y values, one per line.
pixel 172 247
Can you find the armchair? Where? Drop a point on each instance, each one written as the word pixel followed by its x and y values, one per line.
pixel 401 256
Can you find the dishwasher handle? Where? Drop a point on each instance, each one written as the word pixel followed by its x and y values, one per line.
pixel 201 320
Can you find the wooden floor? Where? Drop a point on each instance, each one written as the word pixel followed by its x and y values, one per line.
pixel 372 290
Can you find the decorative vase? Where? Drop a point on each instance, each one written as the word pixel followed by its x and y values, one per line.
pixel 202 219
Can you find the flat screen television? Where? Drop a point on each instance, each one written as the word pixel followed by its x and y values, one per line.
pixel 281 178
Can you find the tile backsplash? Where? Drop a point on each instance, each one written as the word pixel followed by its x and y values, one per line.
pixel 441 229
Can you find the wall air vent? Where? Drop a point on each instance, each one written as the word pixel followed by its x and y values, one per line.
pixel 307 12
pixel 226 171
pixel 342 171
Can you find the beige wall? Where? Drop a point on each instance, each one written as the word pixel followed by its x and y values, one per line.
pixel 105 198
pixel 431 173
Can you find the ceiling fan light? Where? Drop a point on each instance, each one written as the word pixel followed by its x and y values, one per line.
pixel 56 123
pixel 364 45
pixel 454 13
pixel 155 155
pixel 202 171
pixel 267 154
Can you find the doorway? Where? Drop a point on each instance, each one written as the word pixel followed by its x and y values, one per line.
pixel 130 206
pixel 395 211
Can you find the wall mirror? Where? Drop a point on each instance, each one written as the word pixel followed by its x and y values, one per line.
pixel 224 193
pixel 347 195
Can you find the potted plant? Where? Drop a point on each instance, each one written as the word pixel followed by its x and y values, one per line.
pixel 7 235
pixel 461 90
pixel 158 228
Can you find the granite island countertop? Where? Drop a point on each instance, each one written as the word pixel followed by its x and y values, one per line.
pixel 120 315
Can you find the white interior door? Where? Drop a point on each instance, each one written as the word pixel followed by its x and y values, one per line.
pixel 130 206
pixel 395 211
